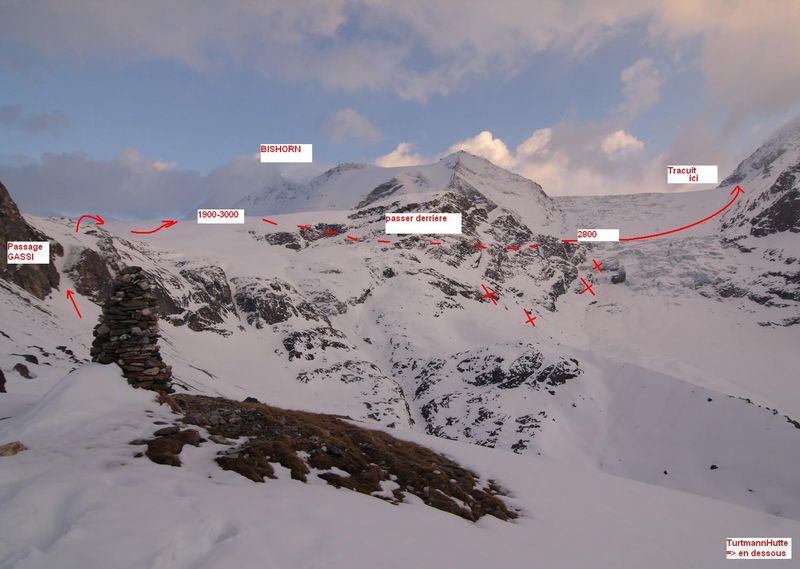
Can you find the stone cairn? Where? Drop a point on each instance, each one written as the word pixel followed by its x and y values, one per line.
pixel 128 332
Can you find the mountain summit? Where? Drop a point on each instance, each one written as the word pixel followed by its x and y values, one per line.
pixel 357 186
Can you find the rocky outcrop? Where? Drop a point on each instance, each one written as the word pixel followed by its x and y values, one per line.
pixel 473 395
pixel 310 446
pixel 309 344
pixel 265 302
pixel 210 298
pixel 128 332
pixel 39 280
pixel 783 213
pixel 770 177
pixel 89 272
pixel 10 449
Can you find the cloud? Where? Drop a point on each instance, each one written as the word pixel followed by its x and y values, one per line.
pixel 346 125
pixel 418 49
pixel 486 145
pixel 131 186
pixel 620 144
pixel 13 117
pixel 748 52
pixel 415 49
pixel 402 155
pixel 591 159
pixel 641 87
pixel 536 144
pixel 566 159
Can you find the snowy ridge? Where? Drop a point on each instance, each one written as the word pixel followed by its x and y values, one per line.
pixel 771 178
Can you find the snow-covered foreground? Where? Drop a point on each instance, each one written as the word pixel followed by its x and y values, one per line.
pixel 78 499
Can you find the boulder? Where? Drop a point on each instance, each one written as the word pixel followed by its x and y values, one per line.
pixel 10 449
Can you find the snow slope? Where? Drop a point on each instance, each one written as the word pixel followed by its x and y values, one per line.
pixel 397 358
pixel 77 498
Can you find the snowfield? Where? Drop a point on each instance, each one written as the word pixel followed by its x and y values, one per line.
pixel 77 498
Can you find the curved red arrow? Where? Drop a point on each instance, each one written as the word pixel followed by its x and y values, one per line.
pixel 165 223
pixel 734 192
pixel 99 220
pixel 71 296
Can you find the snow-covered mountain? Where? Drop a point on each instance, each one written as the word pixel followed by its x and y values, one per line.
pixel 771 175
pixel 358 186
pixel 681 372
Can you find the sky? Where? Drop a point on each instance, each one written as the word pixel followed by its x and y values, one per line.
pixel 147 108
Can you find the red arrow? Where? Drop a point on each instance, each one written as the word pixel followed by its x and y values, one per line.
pixel 71 295
pixel 165 223
pixel 97 218
pixel 269 221
pixel 734 192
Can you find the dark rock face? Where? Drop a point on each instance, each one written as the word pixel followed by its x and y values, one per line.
pixel 783 214
pixel 307 344
pixel 383 191
pixel 288 240
pixel 2 382
pixel 211 291
pixel 39 280
pixel 267 302
pixel 23 370
pixel 128 332
pixel 91 275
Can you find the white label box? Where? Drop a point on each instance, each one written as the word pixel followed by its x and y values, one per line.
pixel 423 223
pixel 28 253
pixel 220 216
pixel 279 153
pixel 692 174
pixel 758 548
pixel 598 234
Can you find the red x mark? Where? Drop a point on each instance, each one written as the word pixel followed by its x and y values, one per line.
pixel 489 294
pixel 597 266
pixel 588 287
pixel 530 319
